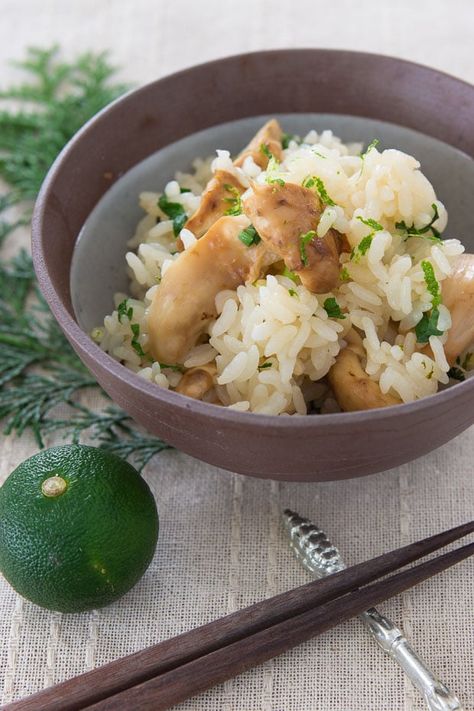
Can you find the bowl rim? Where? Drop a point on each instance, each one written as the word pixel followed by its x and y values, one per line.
pixel 299 424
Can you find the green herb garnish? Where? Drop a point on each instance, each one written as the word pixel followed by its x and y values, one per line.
pixel 266 151
pixel 344 275
pixel 124 310
pixel 235 202
pixel 135 328
pixel 264 366
pixel 176 368
pixel 432 284
pixel 372 144
pixel 271 180
pixel 362 248
pixel 175 211
pixel 325 199
pixel 376 226
pixel 304 241
pixel 332 308
pixel 428 326
pixel 292 292
pixel 313 181
pixel 412 231
pixel 184 190
pixel 273 163
pixel 249 236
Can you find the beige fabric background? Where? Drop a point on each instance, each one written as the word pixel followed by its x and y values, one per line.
pixel 221 545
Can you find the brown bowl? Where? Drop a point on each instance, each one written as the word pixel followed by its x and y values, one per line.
pixel 283 81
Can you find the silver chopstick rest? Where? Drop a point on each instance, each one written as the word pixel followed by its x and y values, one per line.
pixel 314 550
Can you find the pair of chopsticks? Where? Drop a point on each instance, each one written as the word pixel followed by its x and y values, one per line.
pixel 169 672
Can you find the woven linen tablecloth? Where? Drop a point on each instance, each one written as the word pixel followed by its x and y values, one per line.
pixel 221 545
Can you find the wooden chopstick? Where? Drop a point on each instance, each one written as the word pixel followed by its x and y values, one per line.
pixel 174 654
pixel 172 687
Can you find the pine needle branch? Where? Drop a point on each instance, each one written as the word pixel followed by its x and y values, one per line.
pixel 39 372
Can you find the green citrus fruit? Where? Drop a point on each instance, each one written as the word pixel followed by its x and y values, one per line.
pixel 78 528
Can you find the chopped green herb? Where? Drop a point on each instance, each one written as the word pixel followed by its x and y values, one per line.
pixel 428 326
pixel 249 236
pixel 287 137
pixel 320 155
pixel 176 368
pixel 376 226
pixel 175 211
pixel 266 151
pixel 344 275
pixel 313 181
pixel 292 292
pixel 264 366
pixel 273 163
pixel 432 283
pixel 184 190
pixel 124 310
pixel 362 248
pixel 323 193
pixel 412 231
pixel 271 180
pixel 304 241
pixel 178 223
pixel 290 275
pixel 371 145
pixel 332 308
pixel 456 374
pixel 135 344
pixel 235 202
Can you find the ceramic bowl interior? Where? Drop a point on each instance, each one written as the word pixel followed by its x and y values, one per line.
pixel 98 273
pixel 88 208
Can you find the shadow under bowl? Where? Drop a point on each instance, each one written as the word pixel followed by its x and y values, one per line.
pixel 87 210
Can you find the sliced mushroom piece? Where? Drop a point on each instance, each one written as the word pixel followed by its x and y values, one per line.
pixel 214 201
pixel 197 381
pixel 282 214
pixel 458 296
pixel 269 135
pixel 352 387
pixel 184 303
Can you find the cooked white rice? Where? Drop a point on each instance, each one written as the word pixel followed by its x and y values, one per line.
pixel 273 340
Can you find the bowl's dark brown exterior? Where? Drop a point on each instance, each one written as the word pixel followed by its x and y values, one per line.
pixel 282 81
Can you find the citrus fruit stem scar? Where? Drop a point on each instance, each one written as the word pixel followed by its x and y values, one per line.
pixel 54 486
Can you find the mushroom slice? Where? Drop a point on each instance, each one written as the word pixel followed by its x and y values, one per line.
pixel 458 297
pixel 269 135
pixel 282 214
pixel 184 303
pixel 223 185
pixel 197 381
pixel 352 387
